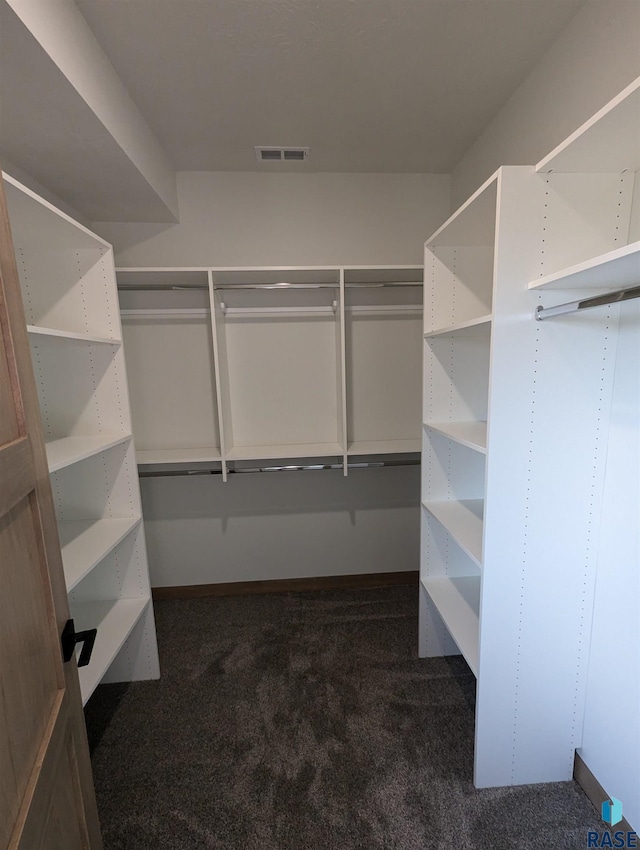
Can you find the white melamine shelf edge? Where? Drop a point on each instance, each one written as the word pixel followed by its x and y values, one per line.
pixel 166 313
pixel 97 240
pixel 470 434
pixel 482 322
pixel 380 447
pixel 491 181
pixel 614 270
pixel 284 451
pixel 385 310
pixel 463 520
pixel 86 542
pixel 191 455
pixel 52 336
pixel 457 600
pixel 66 451
pixel 156 269
pixel 115 620
pixel 608 141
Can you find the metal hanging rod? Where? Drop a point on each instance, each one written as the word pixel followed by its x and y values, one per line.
pixel 586 303
pixel 316 467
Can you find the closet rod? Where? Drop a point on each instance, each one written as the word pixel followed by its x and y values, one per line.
pixel 312 467
pixel 586 303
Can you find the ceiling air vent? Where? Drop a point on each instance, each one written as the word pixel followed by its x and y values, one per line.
pixel 271 154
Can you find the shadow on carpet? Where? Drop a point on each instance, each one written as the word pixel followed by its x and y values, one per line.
pixel 306 722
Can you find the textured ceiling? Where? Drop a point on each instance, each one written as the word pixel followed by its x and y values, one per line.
pixel 369 85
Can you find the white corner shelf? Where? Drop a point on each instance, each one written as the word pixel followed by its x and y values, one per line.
pixel 204 454
pixel 374 447
pixel 39 336
pixel 473 435
pixel 114 620
pixel 69 450
pixel 457 600
pixel 284 452
pixel 608 141
pixel 463 521
pixel 86 542
pixel 480 326
pixel 615 269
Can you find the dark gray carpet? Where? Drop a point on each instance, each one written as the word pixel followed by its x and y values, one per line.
pixel 307 722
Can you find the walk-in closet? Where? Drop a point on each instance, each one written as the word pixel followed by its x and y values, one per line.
pixel 319 424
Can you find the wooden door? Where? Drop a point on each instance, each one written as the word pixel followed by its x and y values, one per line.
pixel 47 800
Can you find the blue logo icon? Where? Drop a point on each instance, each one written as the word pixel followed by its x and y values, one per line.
pixel 612 811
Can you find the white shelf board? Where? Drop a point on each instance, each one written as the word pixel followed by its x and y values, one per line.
pixel 472 327
pixel 32 217
pixel 114 620
pixel 470 434
pixel 380 447
pixel 473 223
pixel 614 270
pixel 293 450
pixel 68 450
pixel 86 542
pixel 457 600
pixel 463 521
pixel 202 454
pixel 54 336
pixel 608 141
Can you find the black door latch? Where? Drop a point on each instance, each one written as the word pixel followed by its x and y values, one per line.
pixel 70 637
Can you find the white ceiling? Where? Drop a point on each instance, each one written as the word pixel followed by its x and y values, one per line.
pixel 369 85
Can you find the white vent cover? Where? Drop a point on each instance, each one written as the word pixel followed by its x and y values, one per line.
pixel 274 154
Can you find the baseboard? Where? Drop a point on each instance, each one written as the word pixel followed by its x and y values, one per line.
pixel 594 791
pixel 287 585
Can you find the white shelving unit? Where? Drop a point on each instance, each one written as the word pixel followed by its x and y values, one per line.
pixel 70 298
pixel 516 414
pixel 383 332
pixel 284 364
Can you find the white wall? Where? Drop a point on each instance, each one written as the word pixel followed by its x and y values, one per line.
pixel 248 218
pixel 596 56
pixel 300 524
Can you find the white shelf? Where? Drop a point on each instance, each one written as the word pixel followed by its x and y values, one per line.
pixel 458 603
pixel 473 327
pixel 284 452
pixel 53 336
pixel 463 521
pixel 613 270
pixel 470 434
pixel 379 447
pixel 115 620
pixel 608 141
pixel 474 223
pixel 68 450
pixel 86 542
pixel 196 455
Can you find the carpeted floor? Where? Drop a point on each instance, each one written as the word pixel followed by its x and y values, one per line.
pixel 307 722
